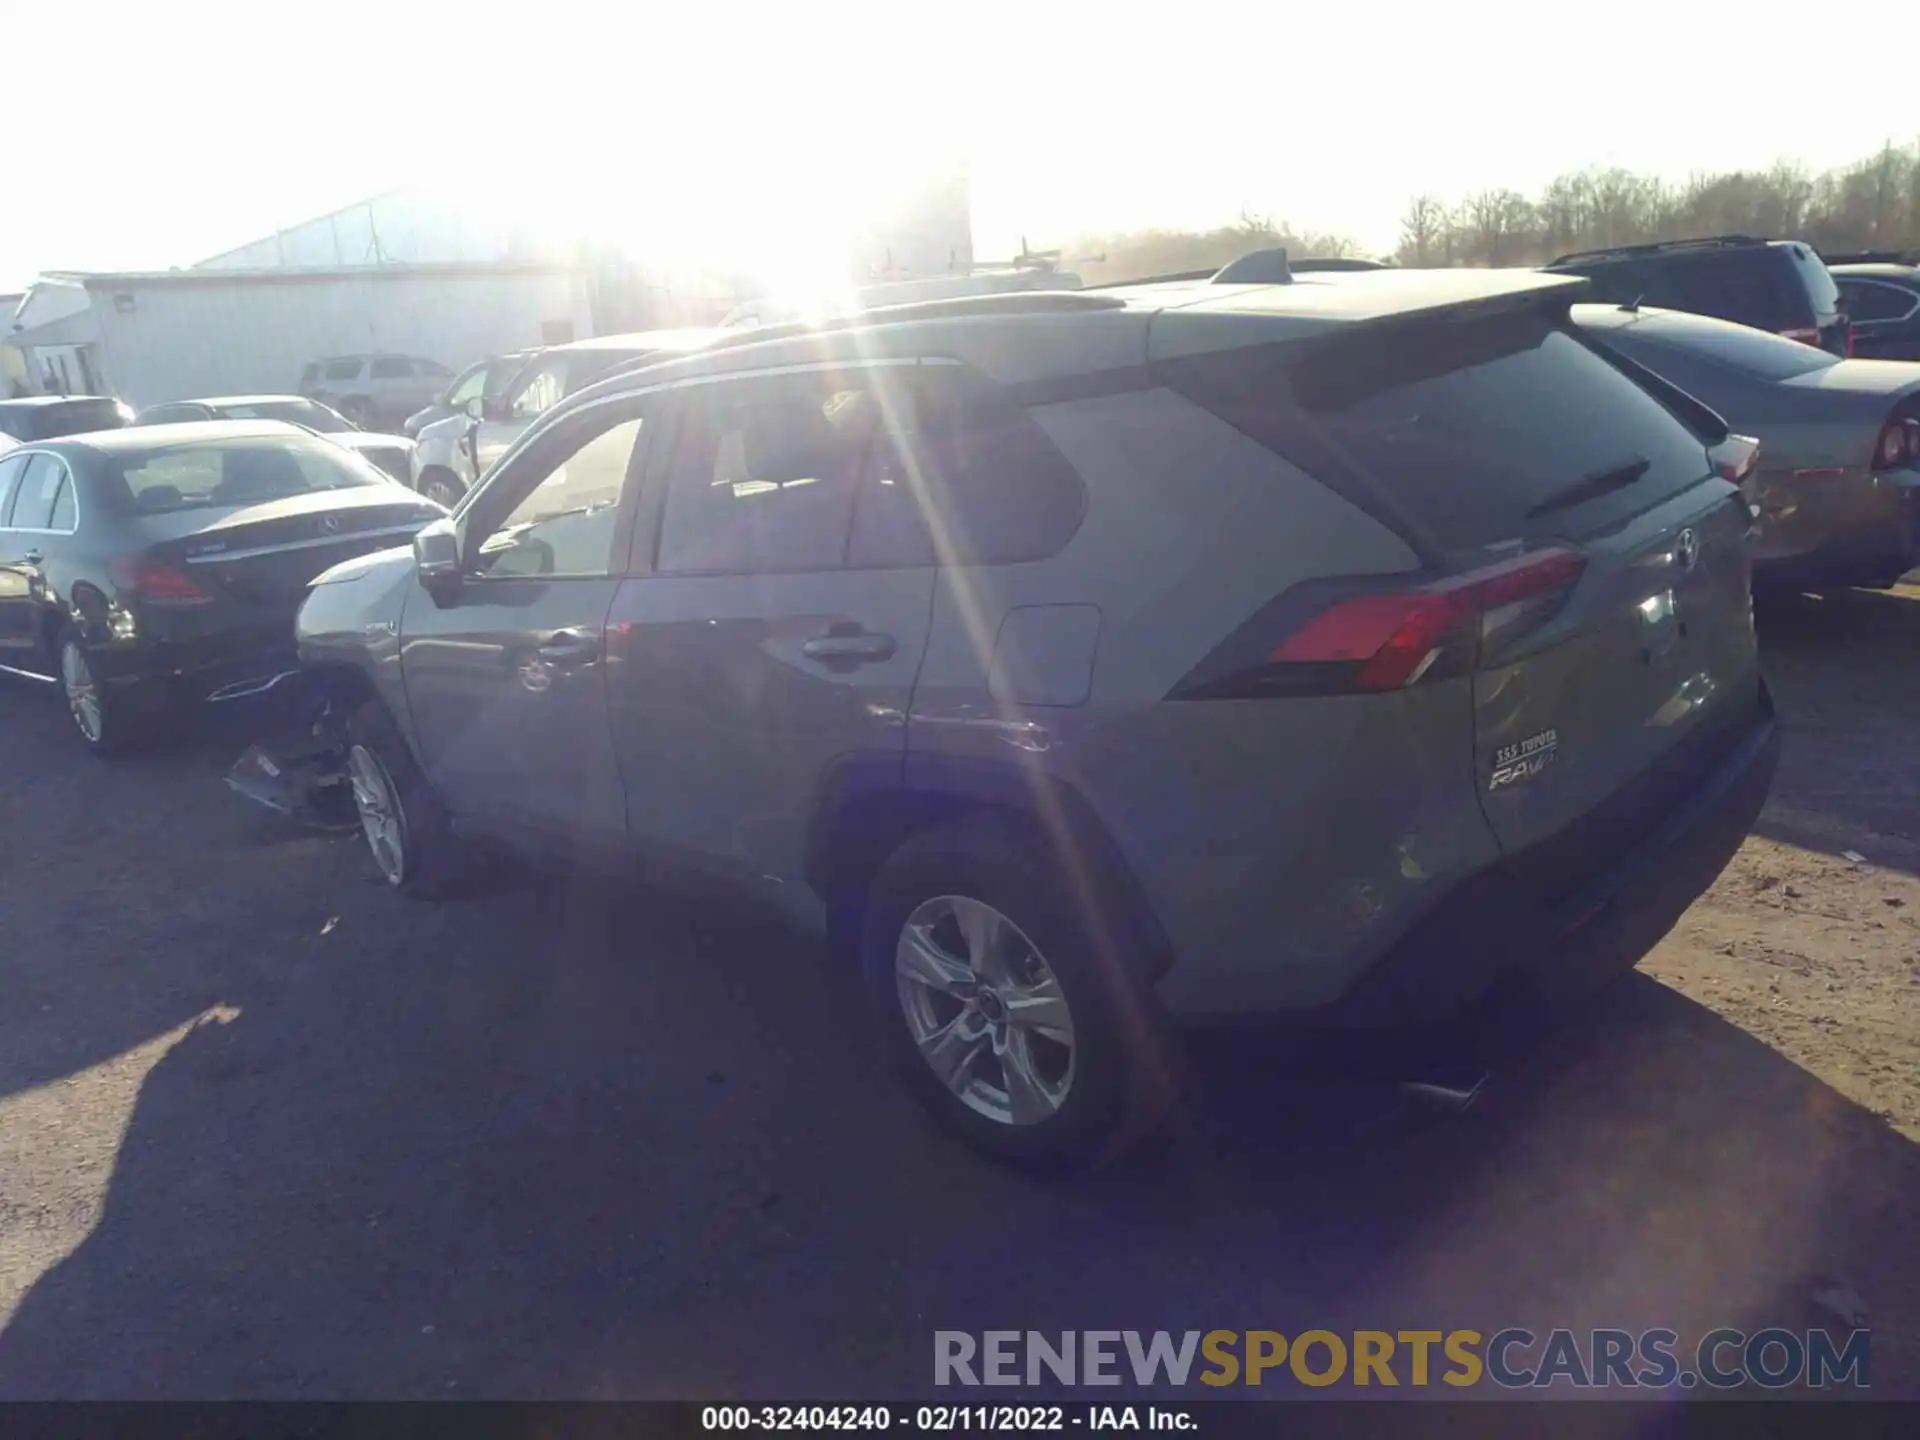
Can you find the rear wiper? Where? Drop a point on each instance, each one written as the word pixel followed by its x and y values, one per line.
pixel 1589 487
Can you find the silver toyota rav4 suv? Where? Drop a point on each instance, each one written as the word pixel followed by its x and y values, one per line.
pixel 1097 661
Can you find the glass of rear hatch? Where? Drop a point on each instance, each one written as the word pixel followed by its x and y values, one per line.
pixel 1498 427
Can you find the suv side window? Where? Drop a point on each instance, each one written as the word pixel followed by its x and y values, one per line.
pixel 1747 286
pixel 988 486
pixel 392 368
pixel 1866 301
pixel 764 473
pixel 343 370
pixel 10 471
pixel 566 525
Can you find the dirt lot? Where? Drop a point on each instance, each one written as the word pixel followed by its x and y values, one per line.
pixel 1811 939
pixel 265 1130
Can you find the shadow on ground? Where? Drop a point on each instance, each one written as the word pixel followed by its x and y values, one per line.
pixel 567 1142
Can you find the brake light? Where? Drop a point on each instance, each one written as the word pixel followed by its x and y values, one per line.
pixel 155 583
pixel 1387 640
pixel 1805 337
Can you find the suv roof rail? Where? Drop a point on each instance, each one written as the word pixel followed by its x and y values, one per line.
pixel 1011 302
pixel 1337 263
pixel 1872 257
pixel 1704 242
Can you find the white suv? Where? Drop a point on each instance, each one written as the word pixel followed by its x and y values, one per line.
pixel 374 391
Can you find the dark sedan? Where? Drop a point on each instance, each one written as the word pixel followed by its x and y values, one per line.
pixel 45 417
pixel 149 567
pixel 392 453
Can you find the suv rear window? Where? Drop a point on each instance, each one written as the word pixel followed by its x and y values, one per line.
pixel 1813 273
pixel 1751 285
pixel 79 417
pixel 1468 426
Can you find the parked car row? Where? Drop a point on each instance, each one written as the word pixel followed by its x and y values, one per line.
pixel 1093 662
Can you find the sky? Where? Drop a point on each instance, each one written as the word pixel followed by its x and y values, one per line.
pixel 171 133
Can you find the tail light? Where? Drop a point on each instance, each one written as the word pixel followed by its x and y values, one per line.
pixel 155 583
pixel 1849 341
pixel 1386 640
pixel 1895 447
pixel 1804 336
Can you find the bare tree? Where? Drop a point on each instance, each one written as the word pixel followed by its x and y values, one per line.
pixel 1422 230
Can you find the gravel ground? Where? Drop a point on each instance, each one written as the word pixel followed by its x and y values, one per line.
pixel 268 1131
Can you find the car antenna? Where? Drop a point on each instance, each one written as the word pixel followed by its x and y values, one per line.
pixel 1632 307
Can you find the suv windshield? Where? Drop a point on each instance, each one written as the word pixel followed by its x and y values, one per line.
pixel 237 472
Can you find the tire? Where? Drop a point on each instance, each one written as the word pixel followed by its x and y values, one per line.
pixel 441 485
pixel 358 409
pixel 1090 1072
pixel 405 827
pixel 106 724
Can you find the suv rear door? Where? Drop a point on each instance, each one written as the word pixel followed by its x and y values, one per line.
pixel 1808 276
pixel 750 660
pixel 1509 438
pixel 1581 552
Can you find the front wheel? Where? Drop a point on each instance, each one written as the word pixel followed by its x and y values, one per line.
pixel 441 486
pixel 1021 1029
pixel 406 829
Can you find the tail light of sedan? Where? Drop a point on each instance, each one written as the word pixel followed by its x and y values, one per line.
pixel 154 582
pixel 1899 444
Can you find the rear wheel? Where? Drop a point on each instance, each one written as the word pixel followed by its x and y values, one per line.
pixel 405 828
pixel 105 722
pixel 997 1007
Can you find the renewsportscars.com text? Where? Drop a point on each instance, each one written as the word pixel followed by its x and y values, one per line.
pixel 1513 1358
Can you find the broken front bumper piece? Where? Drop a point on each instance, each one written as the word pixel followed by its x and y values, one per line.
pixel 300 770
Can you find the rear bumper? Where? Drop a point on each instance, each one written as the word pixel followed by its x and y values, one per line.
pixel 207 669
pixel 1531 912
pixel 1859 534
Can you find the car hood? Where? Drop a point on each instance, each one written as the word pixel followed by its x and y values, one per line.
pixel 368 440
pixel 447 431
pixel 398 558
pixel 1890 379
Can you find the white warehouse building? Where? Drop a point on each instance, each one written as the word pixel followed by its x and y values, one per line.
pixel 420 272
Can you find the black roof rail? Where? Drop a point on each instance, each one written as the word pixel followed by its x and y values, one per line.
pixel 1704 242
pixel 1011 302
pixel 1872 257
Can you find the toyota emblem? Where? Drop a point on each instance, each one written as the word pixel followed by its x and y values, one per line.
pixel 1686 550
pixel 330 525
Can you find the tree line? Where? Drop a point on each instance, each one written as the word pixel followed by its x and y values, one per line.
pixel 1872 204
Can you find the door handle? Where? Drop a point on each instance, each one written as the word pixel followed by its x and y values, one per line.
pixel 569 647
pixel 858 647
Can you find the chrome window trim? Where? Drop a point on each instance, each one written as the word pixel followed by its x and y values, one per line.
pixel 72 480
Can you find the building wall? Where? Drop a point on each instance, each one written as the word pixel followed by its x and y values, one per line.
pixel 171 339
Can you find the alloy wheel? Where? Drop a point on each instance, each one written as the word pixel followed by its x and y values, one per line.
pixel 985 1011
pixel 82 692
pixel 381 818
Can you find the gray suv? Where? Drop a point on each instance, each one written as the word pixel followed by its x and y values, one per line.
pixel 1097 661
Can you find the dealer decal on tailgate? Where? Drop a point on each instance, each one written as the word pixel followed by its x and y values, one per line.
pixel 1523 761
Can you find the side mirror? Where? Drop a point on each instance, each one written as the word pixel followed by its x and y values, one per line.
pixel 477 407
pixel 436 560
